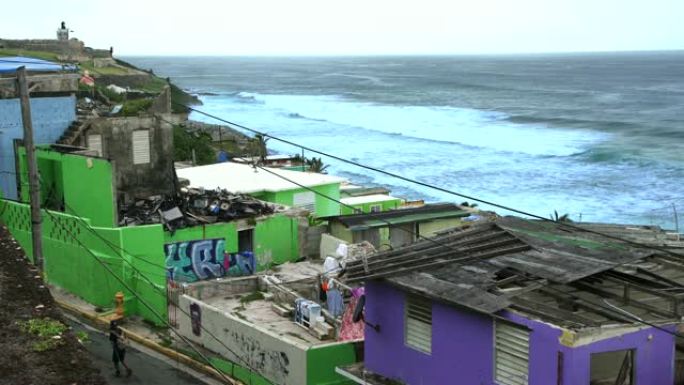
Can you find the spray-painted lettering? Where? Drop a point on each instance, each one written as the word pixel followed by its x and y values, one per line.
pixel 205 259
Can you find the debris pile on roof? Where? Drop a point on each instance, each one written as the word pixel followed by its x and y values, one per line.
pixel 193 207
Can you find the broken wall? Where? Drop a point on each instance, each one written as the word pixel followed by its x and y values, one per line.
pixel 266 354
pixel 222 287
pixel 83 185
pixel 329 245
pixel 142 150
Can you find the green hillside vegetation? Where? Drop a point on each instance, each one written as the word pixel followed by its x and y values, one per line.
pixel 28 53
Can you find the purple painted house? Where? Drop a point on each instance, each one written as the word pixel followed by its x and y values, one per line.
pixel 521 302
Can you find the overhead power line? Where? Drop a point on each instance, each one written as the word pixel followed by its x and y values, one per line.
pixel 138 297
pixel 161 292
pixel 434 187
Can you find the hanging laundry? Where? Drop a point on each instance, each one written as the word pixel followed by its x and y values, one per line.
pixel 335 302
pixel 322 292
pixel 342 249
pixel 351 330
pixel 330 265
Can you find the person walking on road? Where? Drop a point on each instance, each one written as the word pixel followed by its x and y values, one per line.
pixel 119 341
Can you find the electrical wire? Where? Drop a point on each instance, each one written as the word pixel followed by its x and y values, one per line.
pixel 138 297
pixel 437 188
pixel 434 187
pixel 160 291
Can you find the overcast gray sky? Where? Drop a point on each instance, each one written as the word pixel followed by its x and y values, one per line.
pixel 331 27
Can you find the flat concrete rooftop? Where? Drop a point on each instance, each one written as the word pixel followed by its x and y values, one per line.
pixel 260 313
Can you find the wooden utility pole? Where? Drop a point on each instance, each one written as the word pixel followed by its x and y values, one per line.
pixel 34 185
pixel 676 219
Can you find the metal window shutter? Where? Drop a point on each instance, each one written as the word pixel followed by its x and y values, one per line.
pixel 305 200
pixel 95 143
pixel 141 147
pixel 512 346
pixel 419 324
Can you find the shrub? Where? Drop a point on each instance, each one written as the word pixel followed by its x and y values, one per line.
pixel 47 330
pixel 133 107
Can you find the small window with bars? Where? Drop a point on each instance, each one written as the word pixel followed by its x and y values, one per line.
pixel 305 200
pixel 418 324
pixel 511 353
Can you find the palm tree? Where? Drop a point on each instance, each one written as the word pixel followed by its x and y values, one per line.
pixel 563 218
pixel 258 147
pixel 316 165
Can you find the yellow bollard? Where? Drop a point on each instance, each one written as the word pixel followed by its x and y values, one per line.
pixel 119 300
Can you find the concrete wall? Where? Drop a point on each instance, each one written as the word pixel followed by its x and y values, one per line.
pixel 137 180
pixel 83 185
pixel 329 245
pixel 51 116
pixel 200 252
pixel 222 287
pixel 462 347
pixel 269 355
pixel 66 50
pixel 73 263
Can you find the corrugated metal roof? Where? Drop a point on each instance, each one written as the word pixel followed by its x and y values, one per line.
pixel 543 268
pixel 440 210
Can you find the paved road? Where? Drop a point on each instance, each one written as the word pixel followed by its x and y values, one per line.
pixel 147 370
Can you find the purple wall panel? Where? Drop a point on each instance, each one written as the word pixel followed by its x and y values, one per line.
pixel 462 347
pixel 461 343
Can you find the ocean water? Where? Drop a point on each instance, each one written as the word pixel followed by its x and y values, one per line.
pixel 597 136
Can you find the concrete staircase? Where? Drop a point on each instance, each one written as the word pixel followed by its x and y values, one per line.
pixel 74 131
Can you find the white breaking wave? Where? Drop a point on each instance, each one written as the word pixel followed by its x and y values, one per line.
pixel 468 127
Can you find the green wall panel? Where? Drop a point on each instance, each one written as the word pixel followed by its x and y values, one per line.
pixel 322 360
pixel 276 240
pixel 366 207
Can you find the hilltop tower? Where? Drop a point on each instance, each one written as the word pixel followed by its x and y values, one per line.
pixel 63 33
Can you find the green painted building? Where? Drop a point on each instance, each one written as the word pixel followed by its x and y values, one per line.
pixel 284 187
pixel 396 228
pixel 366 204
pixel 81 237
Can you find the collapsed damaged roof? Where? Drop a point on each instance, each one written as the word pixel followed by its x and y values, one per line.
pixel 193 207
pixel 561 274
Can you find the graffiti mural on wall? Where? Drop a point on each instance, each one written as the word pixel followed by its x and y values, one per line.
pixel 205 259
pixel 269 363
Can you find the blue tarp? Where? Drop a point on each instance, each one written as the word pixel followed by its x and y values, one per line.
pixel 11 63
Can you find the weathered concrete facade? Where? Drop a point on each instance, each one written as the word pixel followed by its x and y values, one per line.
pixel 264 347
pixel 272 357
pixel 143 168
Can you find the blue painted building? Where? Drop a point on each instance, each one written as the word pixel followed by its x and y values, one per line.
pixel 51 115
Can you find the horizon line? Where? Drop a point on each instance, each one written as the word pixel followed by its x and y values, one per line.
pixel 462 54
